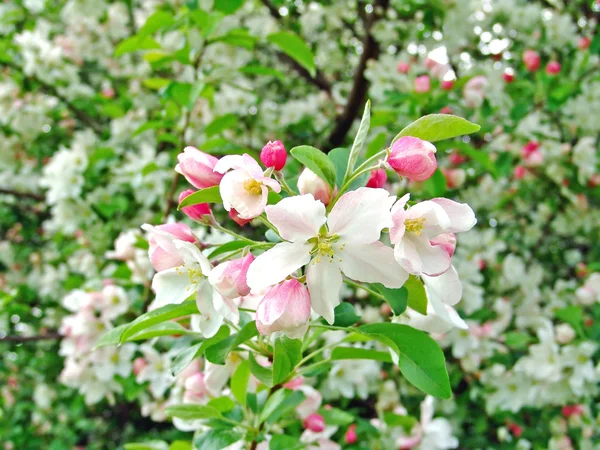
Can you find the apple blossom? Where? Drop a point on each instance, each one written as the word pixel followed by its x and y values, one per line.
pixel 310 183
pixel 350 437
pixel 474 91
pixel 314 422
pixel 273 155
pixel 422 84
pixel 162 252
pixel 233 215
pixel 245 188
pixel 197 168
pixel 285 308
pixel 349 244
pixel 413 158
pixel 553 68
pixel 195 212
pixel 377 178
pixel 454 177
pixel 229 277
pixel 532 60
pixel 519 172
pixel 415 227
pixel 403 67
pixel 447 84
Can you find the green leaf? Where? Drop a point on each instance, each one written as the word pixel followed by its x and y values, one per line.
pixel 420 359
pixel 345 315
pixel 111 337
pixel 239 382
pixel 159 20
pixel 216 439
pixel 336 416
pixel 222 404
pixel 339 157
pixel 293 46
pixel 218 352
pixel 280 402
pixel 206 22
pixel 221 124
pixel 253 69
pixel 226 248
pixel 317 161
pixel 396 420
pixel 573 315
pixel 184 358
pixel 478 155
pixel 239 37
pixel 207 195
pixel 228 6
pixel 283 442
pixel 286 354
pixel 150 445
pixel 396 298
pixel 159 315
pixel 263 374
pixel 437 127
pixel 360 353
pixel 436 185
pixel 180 445
pixel 417 297
pixel 517 340
pixel 160 329
pixel 359 140
pixel 192 411
pixel 185 94
pixel 134 44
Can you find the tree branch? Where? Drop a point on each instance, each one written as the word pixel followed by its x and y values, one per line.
pixel 41 337
pixel 360 85
pixel 19 194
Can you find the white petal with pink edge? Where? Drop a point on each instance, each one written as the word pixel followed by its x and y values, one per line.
pixel 324 282
pixel 297 218
pixel 276 264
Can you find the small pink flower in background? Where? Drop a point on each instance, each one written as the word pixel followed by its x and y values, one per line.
pixel 273 155
pixel 229 277
pixel 403 67
pixel 285 308
pixel 351 437
pixel 108 92
pixel 584 42
pixel 474 91
pixel 195 212
pixel 446 110
pixel 195 388
pixel 138 364
pixel 456 158
pixel 515 429
pixel 509 75
pixel 454 177
pixel 553 68
pixel 572 410
pixel 233 215
pixel 377 178
pixel 413 158
pixel 162 251
pixel 197 168
pixel 532 60
pixel 519 172
pixel 447 84
pixel 314 422
pixel 529 148
pixel 422 84
pixel 244 187
pixel 310 183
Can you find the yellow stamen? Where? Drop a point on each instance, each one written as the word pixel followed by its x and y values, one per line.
pixel 414 225
pixel 253 187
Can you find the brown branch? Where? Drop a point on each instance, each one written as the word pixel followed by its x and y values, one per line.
pixel 19 194
pixel 41 337
pixel 360 84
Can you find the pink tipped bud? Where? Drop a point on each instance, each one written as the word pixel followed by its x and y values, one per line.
pixel 197 167
pixel 456 158
pixel 138 365
pixel 108 92
pixel 532 60
pixel 572 410
pixel 519 172
pixel 229 277
pixel 403 67
pixel 447 84
pixel 529 148
pixel 515 429
pixel 377 179
pixel 553 68
pixel 314 422
pixel 196 384
pixel 446 110
pixel 351 436
pixel 195 212
pixel 422 84
pixel 310 183
pixel 233 215
pixel 509 75
pixel 413 158
pixel 273 155
pixel 454 177
pixel 584 42
pixel 286 308
pixel 163 253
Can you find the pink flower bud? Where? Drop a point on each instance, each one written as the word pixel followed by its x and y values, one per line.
pixel 456 158
pixel 519 172
pixel 403 67
pixel 509 75
pixel 310 183
pixel 285 308
pixel 377 179
pixel 273 155
pixel 413 158
pixel 195 212
pixel 515 429
pixel 162 251
pixel 532 60
pixel 454 177
pixel 229 277
pixel 294 383
pixel 108 92
pixel 446 241
pixel 553 68
pixel 447 84
pixel 529 148
pixel 422 84
pixel 233 215
pixel 584 42
pixel 138 365
pixel 197 167
pixel 446 110
pixel 196 384
pixel 350 436
pixel 535 158
pixel 314 422
pixel 572 410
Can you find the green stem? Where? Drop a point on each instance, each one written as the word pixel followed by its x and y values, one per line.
pixel 268 224
pixel 216 226
pixel 280 177
pixel 360 286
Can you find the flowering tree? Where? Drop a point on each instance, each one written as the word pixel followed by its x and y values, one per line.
pixel 161 268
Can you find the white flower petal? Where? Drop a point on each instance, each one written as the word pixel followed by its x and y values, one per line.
pixel 297 218
pixel 171 286
pixel 209 320
pixel 462 217
pixel 446 313
pixel 360 215
pixel 324 281
pixel 434 259
pixel 235 195
pixel 192 255
pixel 276 264
pixel 406 255
pixel 372 263
pixel 447 286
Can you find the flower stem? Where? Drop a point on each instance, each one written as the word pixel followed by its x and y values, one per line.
pixel 281 178
pixel 360 286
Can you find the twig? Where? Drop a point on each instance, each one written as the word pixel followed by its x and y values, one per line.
pixel 19 194
pixel 41 337
pixel 360 84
